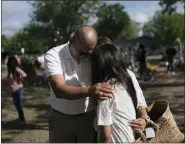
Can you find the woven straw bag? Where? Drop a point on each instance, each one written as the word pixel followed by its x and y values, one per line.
pixel 167 130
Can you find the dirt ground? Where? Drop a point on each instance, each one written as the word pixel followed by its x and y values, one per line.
pixel 35 104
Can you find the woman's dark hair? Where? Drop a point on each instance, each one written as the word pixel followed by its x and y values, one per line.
pixel 11 65
pixel 103 40
pixel 107 64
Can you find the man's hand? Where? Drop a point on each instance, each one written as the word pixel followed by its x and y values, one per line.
pixel 138 124
pixel 101 91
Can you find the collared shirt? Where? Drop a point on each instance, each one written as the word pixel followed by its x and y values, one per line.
pixel 58 60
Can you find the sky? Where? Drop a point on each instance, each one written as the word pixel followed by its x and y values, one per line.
pixel 15 14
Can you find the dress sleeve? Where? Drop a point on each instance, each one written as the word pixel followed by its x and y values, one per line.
pixel 104 111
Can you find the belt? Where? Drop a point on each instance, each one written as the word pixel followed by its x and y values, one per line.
pixel 81 114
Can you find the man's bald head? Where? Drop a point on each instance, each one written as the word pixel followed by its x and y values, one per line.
pixel 87 37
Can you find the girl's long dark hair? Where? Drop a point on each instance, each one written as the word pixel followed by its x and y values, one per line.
pixel 107 64
pixel 11 65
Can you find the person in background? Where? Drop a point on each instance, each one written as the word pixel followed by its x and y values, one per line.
pixel 39 63
pixel 116 116
pixel 4 56
pixel 18 59
pixel 73 99
pixel 15 77
pixel 39 67
pixel 171 52
pixel 142 60
pixel 4 60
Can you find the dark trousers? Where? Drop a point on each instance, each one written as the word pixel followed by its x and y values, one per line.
pixel 17 102
pixel 170 65
pixel 65 128
pixel 143 68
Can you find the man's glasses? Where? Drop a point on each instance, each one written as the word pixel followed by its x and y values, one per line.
pixel 82 54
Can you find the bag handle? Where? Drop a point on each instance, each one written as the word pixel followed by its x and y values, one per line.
pixel 149 121
pixel 141 133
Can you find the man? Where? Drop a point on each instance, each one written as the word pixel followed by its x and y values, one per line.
pixel 39 63
pixel 73 99
pixel 142 60
pixel 171 52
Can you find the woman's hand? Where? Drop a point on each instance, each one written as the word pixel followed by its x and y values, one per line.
pixel 138 124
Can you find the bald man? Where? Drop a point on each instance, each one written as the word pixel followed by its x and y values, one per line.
pixel 73 99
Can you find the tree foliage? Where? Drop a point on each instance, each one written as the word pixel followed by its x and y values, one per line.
pixel 169 5
pixel 50 20
pixel 166 27
pixel 62 16
pixel 5 42
pixel 112 20
pixel 131 31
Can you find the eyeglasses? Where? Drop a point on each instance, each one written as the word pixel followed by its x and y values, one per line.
pixel 82 54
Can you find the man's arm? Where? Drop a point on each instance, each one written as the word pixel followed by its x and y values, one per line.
pixel 104 134
pixel 54 73
pixel 62 90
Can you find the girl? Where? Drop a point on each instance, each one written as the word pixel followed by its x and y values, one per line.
pixel 15 78
pixel 117 116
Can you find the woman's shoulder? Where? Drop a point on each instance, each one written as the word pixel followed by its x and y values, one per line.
pixel 130 73
pixel 116 85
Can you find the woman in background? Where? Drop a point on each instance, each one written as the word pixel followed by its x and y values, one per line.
pixel 15 78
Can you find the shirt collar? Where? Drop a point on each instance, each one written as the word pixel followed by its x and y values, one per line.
pixel 67 52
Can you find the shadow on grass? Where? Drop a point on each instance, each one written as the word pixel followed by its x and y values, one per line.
pixel 16 125
pixel 5 140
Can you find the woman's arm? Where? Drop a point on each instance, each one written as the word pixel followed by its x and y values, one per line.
pixel 104 119
pixel 21 72
pixel 140 123
pixel 104 134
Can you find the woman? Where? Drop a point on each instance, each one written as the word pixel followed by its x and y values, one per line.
pixel 15 78
pixel 115 116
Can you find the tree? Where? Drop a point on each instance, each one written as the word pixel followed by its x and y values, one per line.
pixel 131 31
pixel 166 27
pixel 169 5
pixel 37 38
pixel 16 42
pixel 112 20
pixel 5 42
pixel 61 16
